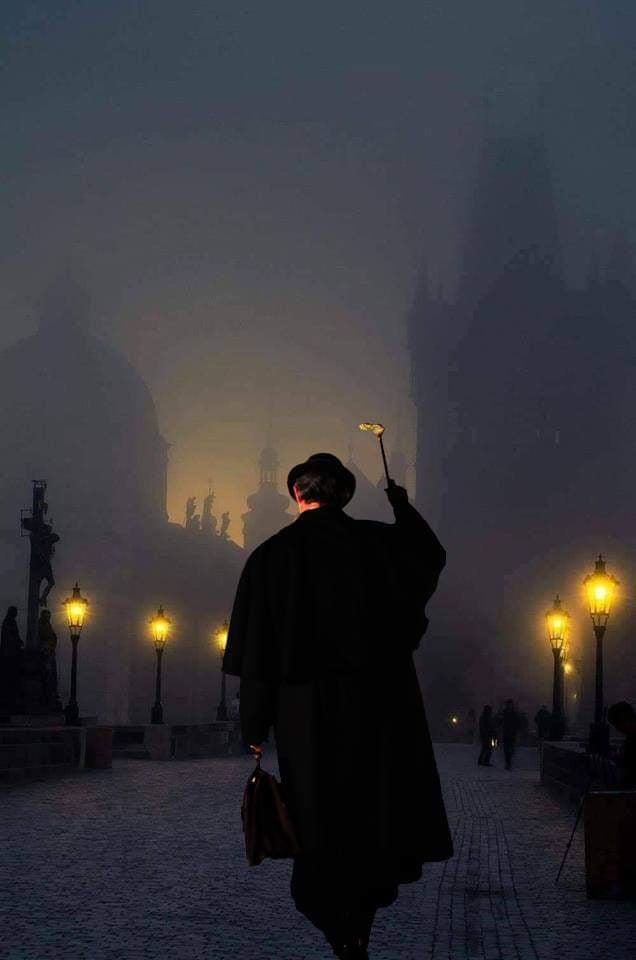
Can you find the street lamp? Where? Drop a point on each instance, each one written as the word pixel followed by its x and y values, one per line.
pixel 159 626
pixel 600 588
pixel 566 668
pixel 557 622
pixel 75 607
pixel 220 639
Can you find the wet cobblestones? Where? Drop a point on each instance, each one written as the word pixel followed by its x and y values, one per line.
pixel 145 862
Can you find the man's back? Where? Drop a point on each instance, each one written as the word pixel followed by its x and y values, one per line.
pixel 342 593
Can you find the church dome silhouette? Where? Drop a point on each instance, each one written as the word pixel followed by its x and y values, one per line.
pixel 74 412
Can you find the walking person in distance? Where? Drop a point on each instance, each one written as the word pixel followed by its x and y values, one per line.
pixel 487 734
pixel 510 723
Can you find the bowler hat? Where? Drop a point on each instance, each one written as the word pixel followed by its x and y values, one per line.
pixel 326 463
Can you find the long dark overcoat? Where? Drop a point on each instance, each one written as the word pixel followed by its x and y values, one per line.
pixel 326 617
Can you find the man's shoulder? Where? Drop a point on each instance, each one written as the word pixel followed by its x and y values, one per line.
pixel 278 541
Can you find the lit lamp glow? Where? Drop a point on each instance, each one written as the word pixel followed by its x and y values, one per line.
pixel 160 627
pixel 75 608
pixel 220 641
pixel 557 626
pixel 600 588
pixel 557 623
pixel 220 637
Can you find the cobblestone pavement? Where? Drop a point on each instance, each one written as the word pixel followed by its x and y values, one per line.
pixel 145 862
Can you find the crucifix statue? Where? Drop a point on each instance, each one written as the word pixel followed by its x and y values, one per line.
pixel 43 542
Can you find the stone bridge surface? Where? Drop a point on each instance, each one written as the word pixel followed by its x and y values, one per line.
pixel 145 862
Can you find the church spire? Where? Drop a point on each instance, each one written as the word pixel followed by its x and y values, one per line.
pixel 267 508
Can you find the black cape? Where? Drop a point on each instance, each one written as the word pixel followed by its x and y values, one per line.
pixel 326 617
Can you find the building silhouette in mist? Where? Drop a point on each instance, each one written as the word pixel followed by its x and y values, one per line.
pixel 525 396
pixel 72 409
pixel 267 511
pixel 75 413
pixel 268 508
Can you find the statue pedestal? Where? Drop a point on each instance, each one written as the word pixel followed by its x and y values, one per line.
pixel 37 696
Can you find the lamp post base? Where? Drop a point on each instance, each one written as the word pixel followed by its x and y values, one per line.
pixel 599 739
pixel 221 712
pixel 71 715
pixel 156 715
pixel 557 728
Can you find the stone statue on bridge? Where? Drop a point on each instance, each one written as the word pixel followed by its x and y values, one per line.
pixel 48 648
pixel 43 542
pixel 193 520
pixel 208 520
pixel 11 651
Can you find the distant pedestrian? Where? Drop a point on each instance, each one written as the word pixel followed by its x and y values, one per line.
pixel 235 706
pixel 543 720
pixel 487 734
pixel 509 723
pixel 471 725
pixel 623 717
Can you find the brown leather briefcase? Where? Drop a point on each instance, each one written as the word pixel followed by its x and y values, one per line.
pixel 268 829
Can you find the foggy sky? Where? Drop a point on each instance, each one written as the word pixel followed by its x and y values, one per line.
pixel 250 190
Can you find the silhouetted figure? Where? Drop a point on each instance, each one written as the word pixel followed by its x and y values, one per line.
pixel 622 716
pixel 193 520
pixel 225 523
pixel 47 549
pixel 543 721
pixel 509 723
pixel 208 520
pixel 327 615
pixel 235 706
pixel 48 647
pixel 43 542
pixel 11 648
pixel 487 734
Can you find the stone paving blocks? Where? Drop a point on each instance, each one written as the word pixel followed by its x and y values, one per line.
pixel 146 862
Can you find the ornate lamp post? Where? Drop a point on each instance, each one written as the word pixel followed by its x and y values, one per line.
pixel 75 607
pixel 557 621
pixel 220 639
pixel 160 626
pixel 600 588
pixel 566 668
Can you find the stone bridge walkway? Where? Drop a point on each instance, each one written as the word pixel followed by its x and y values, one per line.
pixel 145 862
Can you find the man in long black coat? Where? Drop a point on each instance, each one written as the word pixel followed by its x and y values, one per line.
pixel 326 618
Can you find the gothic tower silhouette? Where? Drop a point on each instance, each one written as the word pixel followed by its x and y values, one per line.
pixel 525 391
pixel 505 371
